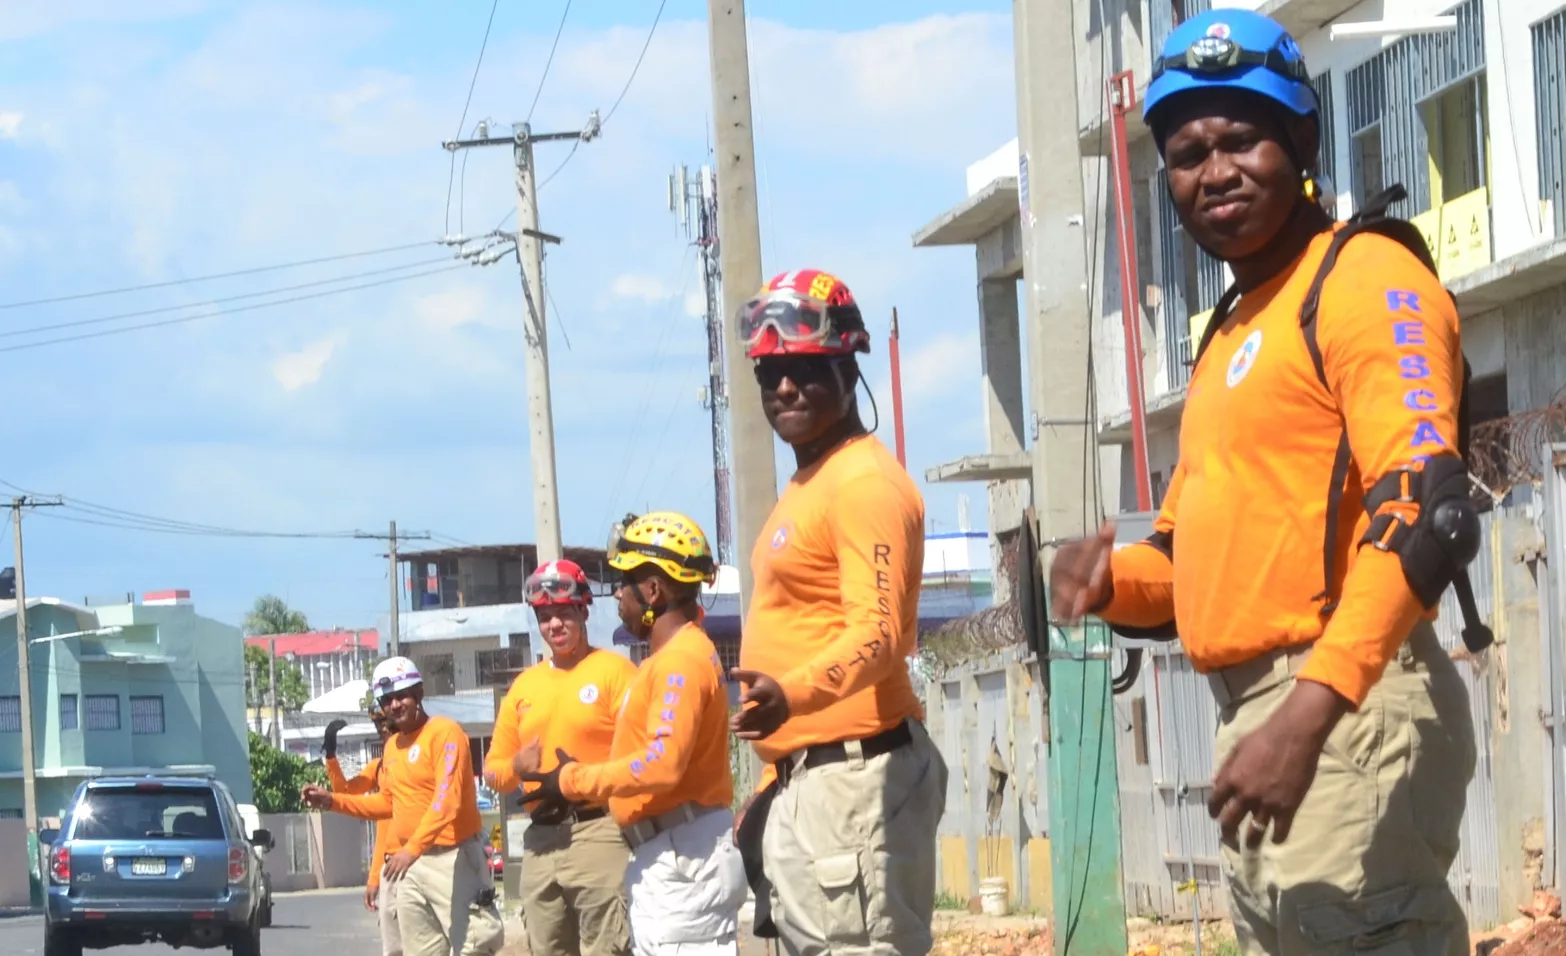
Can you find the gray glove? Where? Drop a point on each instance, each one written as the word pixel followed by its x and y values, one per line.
pixel 330 748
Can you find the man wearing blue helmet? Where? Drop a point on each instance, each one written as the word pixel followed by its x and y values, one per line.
pixel 1318 508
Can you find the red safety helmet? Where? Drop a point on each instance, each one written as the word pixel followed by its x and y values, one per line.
pixel 558 582
pixel 805 312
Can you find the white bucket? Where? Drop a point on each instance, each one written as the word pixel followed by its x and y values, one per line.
pixel 995 896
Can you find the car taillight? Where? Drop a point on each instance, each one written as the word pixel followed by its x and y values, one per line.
pixel 238 863
pixel 60 863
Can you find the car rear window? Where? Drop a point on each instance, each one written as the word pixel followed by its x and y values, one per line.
pixel 162 813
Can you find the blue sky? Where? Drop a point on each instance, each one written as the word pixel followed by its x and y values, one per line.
pixel 167 139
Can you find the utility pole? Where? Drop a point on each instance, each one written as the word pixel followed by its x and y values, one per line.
pixel 530 256
pixel 695 198
pixel 24 662
pixel 739 234
pixel 1084 825
pixel 893 349
pixel 271 677
pixel 394 622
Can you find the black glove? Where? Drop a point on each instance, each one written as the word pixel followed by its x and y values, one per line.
pixel 552 805
pixel 330 748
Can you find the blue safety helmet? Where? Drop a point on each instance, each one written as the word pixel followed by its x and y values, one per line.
pixel 1232 48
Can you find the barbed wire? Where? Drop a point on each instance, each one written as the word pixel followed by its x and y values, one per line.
pixel 1506 452
pixel 983 632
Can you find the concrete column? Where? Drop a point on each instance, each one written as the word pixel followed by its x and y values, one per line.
pixel 1518 738
pixel 1000 354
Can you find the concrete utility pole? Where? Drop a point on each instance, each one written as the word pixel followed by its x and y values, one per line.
pixel 530 256
pixel 695 198
pixel 394 622
pixel 24 663
pixel 1089 909
pixel 271 678
pixel 739 246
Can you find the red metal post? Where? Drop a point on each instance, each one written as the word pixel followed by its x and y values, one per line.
pixel 1122 99
pixel 897 392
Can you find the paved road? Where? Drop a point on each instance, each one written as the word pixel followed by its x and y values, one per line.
pixel 334 921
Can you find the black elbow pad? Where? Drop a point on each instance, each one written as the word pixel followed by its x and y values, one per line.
pixel 1442 540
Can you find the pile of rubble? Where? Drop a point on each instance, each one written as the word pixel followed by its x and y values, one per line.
pixel 1012 941
pixel 1538 932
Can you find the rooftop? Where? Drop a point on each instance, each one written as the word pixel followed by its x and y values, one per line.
pixel 318 642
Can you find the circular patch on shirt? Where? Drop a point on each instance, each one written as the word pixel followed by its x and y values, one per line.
pixel 780 538
pixel 1244 358
pixel 413 754
pixel 588 694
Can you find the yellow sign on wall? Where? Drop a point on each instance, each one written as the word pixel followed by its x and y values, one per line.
pixel 1199 328
pixel 1458 234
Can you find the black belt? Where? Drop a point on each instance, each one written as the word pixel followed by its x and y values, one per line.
pixel 822 754
pixel 584 815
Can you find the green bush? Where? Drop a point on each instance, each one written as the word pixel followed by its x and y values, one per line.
pixel 277 776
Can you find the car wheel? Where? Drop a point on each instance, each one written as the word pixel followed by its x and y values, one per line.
pixel 61 942
pixel 264 920
pixel 247 941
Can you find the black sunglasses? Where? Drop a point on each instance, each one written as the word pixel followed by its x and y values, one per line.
pixel 799 369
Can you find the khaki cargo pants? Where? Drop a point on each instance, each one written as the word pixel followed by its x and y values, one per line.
pixel 386 913
pixel 573 889
pixel 438 904
pixel 1364 868
pixel 849 849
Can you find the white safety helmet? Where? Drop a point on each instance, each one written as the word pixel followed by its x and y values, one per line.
pixel 394 674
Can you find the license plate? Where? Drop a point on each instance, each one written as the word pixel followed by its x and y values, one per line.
pixel 149 867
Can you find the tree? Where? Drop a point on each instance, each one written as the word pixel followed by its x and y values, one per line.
pixel 277 777
pixel 272 615
pixel 292 691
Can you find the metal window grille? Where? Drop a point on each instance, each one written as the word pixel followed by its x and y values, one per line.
pixel 1549 98
pixel 70 711
pixel 1329 126
pixel 102 711
pixel 1389 88
pixel 10 715
pixel 498 668
pixel 11 813
pixel 1192 283
pixel 146 714
pixel 728 652
pixel 1165 15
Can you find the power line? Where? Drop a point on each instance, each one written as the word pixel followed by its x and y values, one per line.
pixel 547 63
pixel 215 275
pixel 632 78
pixel 11 333
pixel 463 121
pixel 161 529
pixel 153 521
pixel 222 312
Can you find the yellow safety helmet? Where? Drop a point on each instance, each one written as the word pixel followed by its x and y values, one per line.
pixel 669 541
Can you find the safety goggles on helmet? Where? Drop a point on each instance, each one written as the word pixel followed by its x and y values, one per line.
pixel 554 589
pixel 797 319
pixel 1214 54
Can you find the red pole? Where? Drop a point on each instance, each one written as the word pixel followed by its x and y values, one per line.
pixel 897 392
pixel 1122 98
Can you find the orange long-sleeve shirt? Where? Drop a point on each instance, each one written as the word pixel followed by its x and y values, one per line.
pixel 573 709
pixel 366 781
pixel 834 615
pixel 671 743
pixel 1246 510
pixel 428 792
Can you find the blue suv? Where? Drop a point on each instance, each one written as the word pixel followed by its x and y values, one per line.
pixel 139 859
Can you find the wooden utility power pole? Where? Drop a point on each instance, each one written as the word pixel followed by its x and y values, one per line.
pixel 530 256
pixel 739 250
pixel 24 662
pixel 1084 811
pixel 394 619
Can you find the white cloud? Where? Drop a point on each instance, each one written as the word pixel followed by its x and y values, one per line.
pixel 643 287
pixel 295 370
pixel 451 309
pixel 10 123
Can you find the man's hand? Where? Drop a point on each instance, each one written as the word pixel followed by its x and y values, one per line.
pixel 1270 770
pixel 329 749
pixel 763 708
pixel 528 759
pixel 316 798
pixel 1079 577
pixel 547 794
pixel 398 865
pixel 372 898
